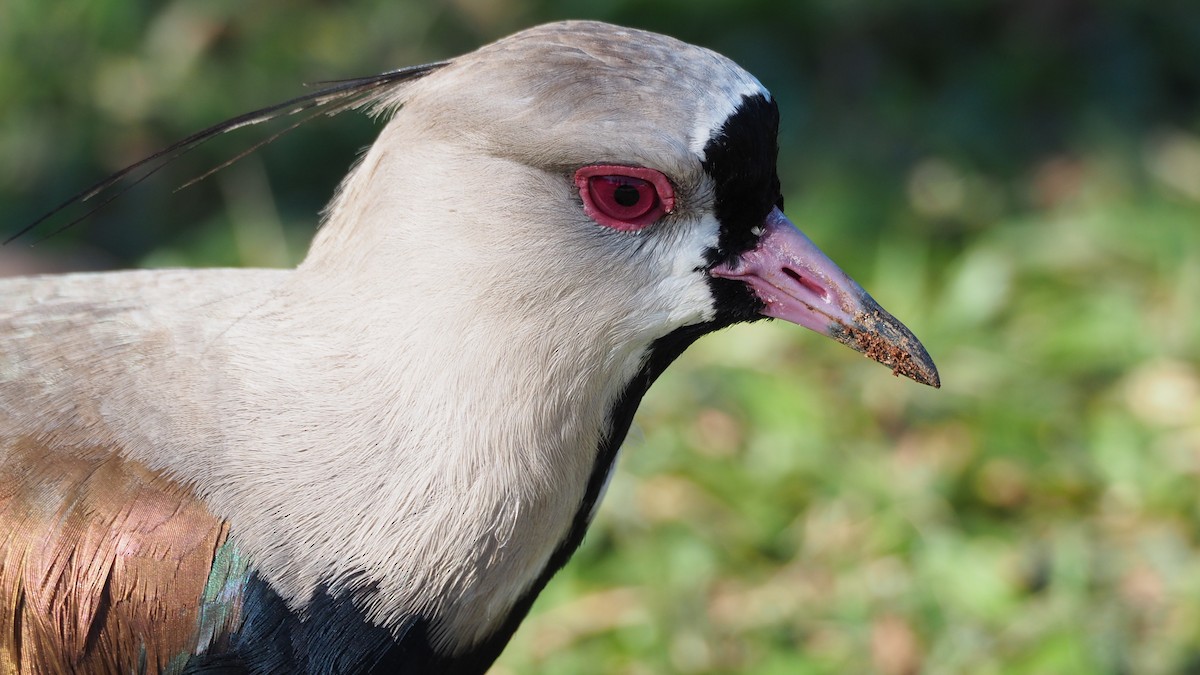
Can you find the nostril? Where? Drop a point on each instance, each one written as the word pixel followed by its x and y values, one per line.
pixel 812 286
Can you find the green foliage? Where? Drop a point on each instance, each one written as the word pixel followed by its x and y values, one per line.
pixel 1018 181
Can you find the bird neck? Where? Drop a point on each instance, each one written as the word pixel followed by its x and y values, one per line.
pixel 435 456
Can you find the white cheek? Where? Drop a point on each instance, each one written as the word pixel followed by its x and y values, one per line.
pixel 684 289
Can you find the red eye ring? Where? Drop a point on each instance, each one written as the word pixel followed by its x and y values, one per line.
pixel 625 198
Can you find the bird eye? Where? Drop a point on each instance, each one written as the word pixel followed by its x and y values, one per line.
pixel 626 198
pixel 622 197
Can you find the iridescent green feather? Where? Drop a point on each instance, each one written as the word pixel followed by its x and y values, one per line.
pixel 220 604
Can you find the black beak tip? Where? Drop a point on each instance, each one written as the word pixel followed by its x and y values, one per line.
pixel 881 337
pixel 905 356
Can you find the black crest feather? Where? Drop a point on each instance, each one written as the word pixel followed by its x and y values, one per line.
pixel 337 96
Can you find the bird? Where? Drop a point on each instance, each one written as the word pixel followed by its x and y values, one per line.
pixel 375 461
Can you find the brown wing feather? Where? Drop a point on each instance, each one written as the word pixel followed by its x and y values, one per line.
pixel 103 563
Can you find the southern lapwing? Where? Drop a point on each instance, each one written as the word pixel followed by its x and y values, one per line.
pixel 374 462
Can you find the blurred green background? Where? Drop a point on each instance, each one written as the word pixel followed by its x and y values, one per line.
pixel 1018 181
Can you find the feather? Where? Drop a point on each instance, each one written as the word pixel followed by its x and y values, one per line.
pixel 340 96
pixel 103 565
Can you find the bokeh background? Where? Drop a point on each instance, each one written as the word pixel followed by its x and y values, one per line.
pixel 1018 180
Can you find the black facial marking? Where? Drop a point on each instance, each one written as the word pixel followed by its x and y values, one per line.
pixel 734 302
pixel 740 158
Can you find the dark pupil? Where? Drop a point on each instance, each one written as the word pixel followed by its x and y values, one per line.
pixel 626 195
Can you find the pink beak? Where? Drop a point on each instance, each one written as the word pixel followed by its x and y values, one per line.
pixel 800 284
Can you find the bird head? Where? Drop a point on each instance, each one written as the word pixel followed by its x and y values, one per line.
pixel 605 174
